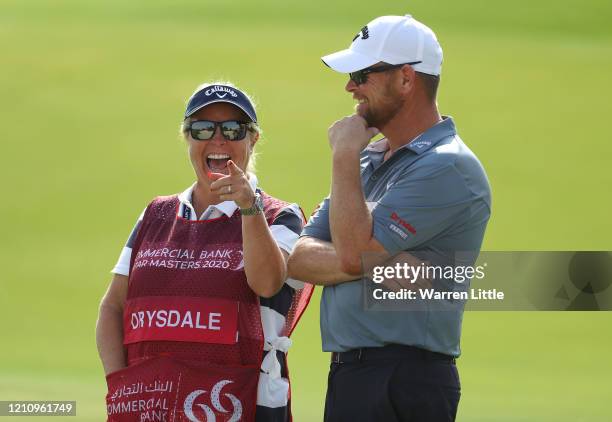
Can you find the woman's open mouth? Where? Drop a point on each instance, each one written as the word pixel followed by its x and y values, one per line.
pixel 217 163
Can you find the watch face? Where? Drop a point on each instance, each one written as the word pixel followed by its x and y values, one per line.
pixel 258 202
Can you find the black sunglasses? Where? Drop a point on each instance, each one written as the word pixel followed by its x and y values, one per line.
pixel 204 130
pixel 361 76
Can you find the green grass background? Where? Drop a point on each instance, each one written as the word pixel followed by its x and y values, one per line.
pixel 91 96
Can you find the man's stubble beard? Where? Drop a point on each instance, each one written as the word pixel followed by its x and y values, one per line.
pixel 387 109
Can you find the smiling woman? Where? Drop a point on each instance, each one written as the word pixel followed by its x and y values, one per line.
pixel 217 316
pixel 197 127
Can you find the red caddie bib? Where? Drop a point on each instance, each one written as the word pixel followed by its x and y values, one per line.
pixel 192 327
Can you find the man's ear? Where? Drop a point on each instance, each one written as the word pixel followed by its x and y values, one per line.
pixel 408 78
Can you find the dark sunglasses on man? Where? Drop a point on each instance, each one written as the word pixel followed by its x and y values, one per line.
pixel 204 130
pixel 361 76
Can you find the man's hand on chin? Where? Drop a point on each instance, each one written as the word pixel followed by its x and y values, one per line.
pixel 350 135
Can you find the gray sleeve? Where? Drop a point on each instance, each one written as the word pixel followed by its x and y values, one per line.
pixel 419 206
pixel 318 223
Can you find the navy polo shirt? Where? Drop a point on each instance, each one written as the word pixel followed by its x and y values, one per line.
pixel 431 195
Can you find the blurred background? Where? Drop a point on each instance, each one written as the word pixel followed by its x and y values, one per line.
pixel 91 98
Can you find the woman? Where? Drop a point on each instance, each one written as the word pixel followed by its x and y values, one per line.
pixel 195 323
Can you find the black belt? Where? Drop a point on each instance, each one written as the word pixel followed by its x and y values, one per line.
pixel 391 351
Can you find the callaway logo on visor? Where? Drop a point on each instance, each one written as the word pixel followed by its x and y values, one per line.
pixel 220 91
pixel 218 94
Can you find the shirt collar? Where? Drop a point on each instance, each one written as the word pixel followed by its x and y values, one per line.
pixel 226 207
pixel 433 135
pixel 423 142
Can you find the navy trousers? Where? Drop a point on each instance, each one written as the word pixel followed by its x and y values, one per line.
pixel 395 389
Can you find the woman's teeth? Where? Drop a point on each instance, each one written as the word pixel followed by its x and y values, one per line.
pixel 217 162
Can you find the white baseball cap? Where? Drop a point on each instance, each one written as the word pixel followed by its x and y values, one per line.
pixel 393 40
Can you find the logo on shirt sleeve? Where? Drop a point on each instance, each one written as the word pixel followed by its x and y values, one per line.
pixel 398 231
pixel 403 226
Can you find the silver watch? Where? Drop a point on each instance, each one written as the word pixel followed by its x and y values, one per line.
pixel 257 207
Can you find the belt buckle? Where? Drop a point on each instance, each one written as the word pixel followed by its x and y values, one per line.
pixel 359 355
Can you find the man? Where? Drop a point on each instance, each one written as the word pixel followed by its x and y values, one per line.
pixel 418 189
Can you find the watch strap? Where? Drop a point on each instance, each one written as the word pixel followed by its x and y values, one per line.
pixel 256 208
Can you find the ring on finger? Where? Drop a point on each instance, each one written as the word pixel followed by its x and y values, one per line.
pixel 229 188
